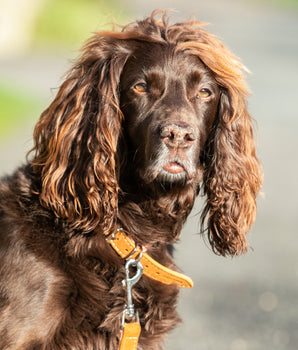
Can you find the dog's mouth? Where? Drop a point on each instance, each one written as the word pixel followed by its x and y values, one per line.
pixel 173 168
pixel 173 171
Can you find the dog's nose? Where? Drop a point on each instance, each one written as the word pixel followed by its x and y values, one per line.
pixel 174 135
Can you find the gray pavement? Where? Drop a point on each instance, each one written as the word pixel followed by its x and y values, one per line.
pixel 250 302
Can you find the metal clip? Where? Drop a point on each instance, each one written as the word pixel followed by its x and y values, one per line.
pixel 129 282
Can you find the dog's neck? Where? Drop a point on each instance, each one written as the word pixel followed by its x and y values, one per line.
pixel 154 215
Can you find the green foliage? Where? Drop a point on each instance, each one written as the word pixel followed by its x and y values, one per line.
pixel 60 23
pixel 279 3
pixel 70 22
pixel 16 108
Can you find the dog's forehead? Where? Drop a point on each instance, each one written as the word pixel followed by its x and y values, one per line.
pixel 163 58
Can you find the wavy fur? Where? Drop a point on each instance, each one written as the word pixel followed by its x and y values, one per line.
pixel 86 174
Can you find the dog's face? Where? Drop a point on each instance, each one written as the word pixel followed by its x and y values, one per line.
pixel 169 100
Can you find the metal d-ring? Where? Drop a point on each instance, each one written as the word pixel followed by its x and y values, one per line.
pixel 140 256
pixel 111 236
pixel 132 253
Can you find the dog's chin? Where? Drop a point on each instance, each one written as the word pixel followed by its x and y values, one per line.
pixel 167 178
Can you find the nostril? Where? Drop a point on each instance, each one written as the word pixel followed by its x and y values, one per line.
pixel 167 132
pixel 189 137
pixel 176 135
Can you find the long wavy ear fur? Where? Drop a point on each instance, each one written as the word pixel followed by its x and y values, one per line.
pixel 232 173
pixel 76 138
pixel 232 177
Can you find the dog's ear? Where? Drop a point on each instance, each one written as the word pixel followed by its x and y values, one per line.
pixel 232 176
pixel 232 173
pixel 76 138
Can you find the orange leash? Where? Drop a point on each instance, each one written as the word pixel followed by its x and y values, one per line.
pixel 134 256
pixel 130 332
pixel 130 336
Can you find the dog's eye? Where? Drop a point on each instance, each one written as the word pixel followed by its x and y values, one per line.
pixel 203 93
pixel 140 87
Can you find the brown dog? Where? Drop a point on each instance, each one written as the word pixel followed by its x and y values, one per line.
pixel 145 118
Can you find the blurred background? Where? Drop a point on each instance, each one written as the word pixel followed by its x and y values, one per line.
pixel 245 303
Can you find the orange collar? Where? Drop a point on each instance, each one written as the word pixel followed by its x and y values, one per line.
pixel 127 249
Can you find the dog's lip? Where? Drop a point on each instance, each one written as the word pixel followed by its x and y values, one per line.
pixel 173 167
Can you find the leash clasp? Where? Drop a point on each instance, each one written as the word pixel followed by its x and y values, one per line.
pixel 129 282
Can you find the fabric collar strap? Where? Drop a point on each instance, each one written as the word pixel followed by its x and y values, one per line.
pixel 126 249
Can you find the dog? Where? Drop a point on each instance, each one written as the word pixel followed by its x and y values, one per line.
pixel 146 118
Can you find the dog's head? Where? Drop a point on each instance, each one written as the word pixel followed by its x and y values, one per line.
pixel 169 99
pixel 175 98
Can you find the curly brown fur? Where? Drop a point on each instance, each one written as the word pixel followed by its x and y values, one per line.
pixel 142 118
